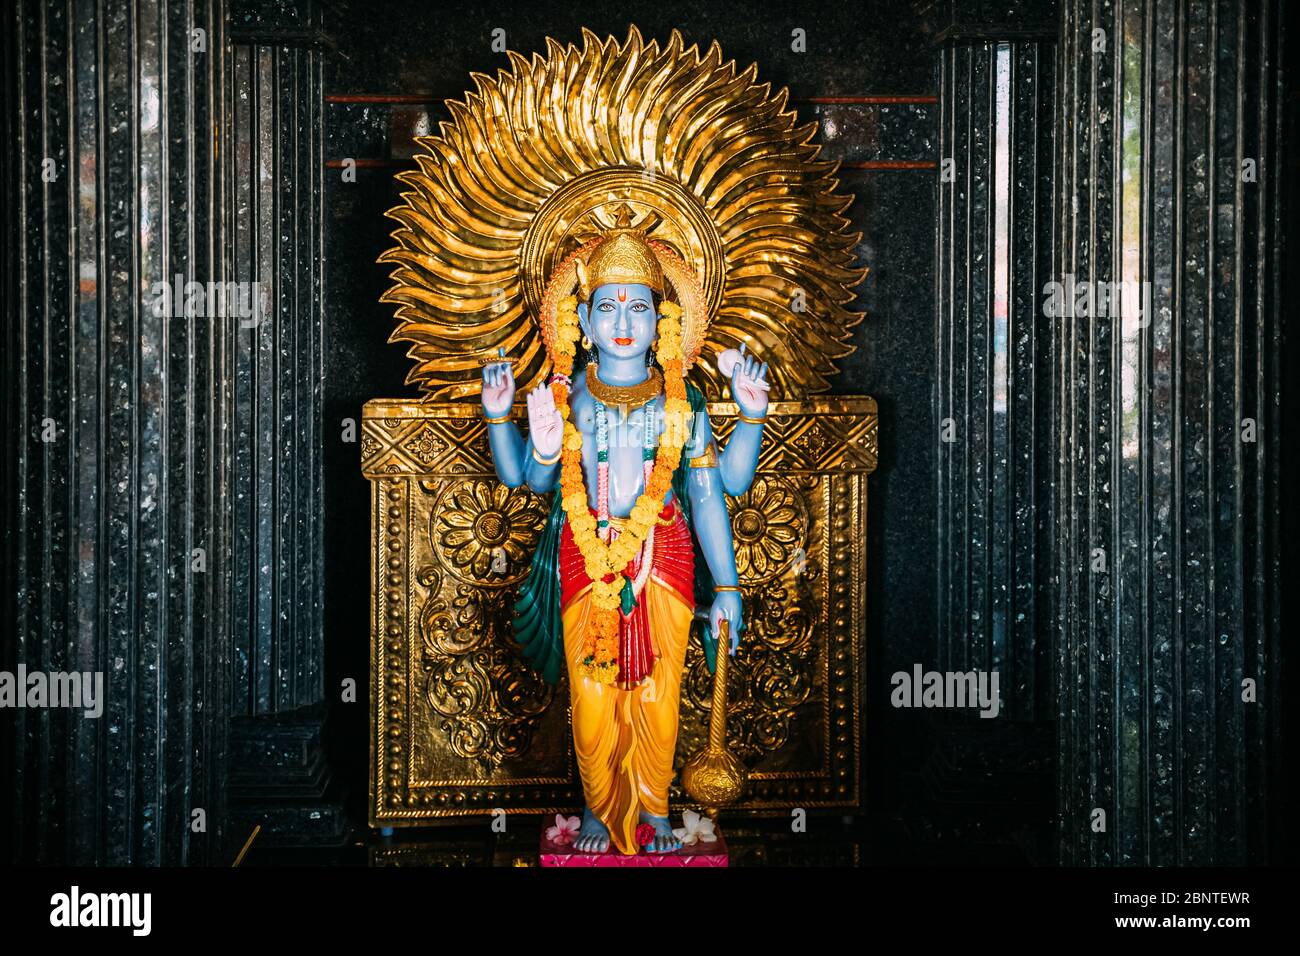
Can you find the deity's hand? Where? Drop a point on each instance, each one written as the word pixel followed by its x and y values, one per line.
pixel 498 389
pixel 545 425
pixel 749 385
pixel 727 604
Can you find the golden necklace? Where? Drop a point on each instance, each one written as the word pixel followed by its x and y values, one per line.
pixel 633 395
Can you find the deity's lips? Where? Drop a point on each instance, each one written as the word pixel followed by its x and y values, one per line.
pixel 622 341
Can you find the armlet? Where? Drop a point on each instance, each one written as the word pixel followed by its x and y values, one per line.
pixel 708 459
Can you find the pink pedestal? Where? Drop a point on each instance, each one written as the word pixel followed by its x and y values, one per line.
pixel 701 854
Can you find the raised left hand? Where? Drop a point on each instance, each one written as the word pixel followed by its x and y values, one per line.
pixel 749 385
pixel 727 604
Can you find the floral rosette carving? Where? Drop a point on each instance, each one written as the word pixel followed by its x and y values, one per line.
pixel 485 533
pixel 769 523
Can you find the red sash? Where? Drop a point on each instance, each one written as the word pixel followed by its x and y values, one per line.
pixel 673 564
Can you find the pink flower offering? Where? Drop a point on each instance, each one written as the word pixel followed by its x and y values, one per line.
pixel 565 830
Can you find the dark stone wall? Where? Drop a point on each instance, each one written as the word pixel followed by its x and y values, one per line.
pixel 995 357
pixel 276 164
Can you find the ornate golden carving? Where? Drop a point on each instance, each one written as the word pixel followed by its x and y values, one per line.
pixel 483 702
pixel 481 528
pixel 708 161
pixel 770 523
pixel 461 725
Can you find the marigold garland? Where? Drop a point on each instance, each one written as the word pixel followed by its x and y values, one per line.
pixel 608 564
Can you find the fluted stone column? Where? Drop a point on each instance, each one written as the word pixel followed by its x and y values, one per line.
pixel 993 390
pixel 1168 479
pixel 116 411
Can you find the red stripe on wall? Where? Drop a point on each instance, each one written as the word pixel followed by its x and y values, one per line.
pixel 867 100
pixel 394 98
pixel 892 164
pixel 877 164
pixel 429 98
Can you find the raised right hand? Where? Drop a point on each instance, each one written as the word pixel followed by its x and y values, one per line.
pixel 498 389
pixel 545 425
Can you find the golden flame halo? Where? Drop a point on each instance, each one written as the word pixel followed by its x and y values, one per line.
pixel 714 167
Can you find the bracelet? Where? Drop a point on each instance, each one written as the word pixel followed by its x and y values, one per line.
pixel 547 461
pixel 753 421
pixel 497 421
pixel 718 588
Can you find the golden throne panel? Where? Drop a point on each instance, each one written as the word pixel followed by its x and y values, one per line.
pixel 461 725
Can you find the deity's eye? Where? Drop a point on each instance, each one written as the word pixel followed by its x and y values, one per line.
pixel 639 306
pixel 606 306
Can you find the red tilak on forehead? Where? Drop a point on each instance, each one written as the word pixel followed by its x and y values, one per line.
pixel 622 295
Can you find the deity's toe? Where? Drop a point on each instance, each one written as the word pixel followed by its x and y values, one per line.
pixel 593 837
pixel 662 843
pixel 594 844
pixel 663 840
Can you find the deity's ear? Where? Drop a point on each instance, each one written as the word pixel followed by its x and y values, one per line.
pixel 583 310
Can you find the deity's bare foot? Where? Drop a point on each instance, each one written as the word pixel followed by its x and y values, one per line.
pixel 593 836
pixel 664 841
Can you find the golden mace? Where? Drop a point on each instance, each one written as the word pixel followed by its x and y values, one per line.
pixel 714 777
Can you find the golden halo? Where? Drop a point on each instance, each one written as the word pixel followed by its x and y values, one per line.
pixel 690 296
pixel 583 209
pixel 713 165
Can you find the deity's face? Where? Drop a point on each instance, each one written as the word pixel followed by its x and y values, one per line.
pixel 620 319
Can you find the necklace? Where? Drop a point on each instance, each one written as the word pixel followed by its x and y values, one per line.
pixel 633 395
pixel 604 523
pixel 638 569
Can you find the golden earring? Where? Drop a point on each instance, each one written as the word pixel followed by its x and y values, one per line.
pixel 586 342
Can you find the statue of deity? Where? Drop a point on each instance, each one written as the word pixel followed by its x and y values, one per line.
pixel 639 514
pixel 617 226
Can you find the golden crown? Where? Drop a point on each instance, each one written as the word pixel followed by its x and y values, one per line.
pixel 624 257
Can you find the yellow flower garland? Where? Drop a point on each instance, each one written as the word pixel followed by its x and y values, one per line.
pixel 606 563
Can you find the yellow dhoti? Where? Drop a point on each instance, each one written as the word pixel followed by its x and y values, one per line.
pixel 625 733
pixel 625 738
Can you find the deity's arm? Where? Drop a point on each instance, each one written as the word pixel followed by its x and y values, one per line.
pixel 510 453
pixel 739 458
pixel 515 462
pixel 737 461
pixel 712 526
pixel 707 488
pixel 515 458
pixel 712 523
pixel 541 477
pixel 749 390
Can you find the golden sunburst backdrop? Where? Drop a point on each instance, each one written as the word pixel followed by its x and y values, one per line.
pixel 537 160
